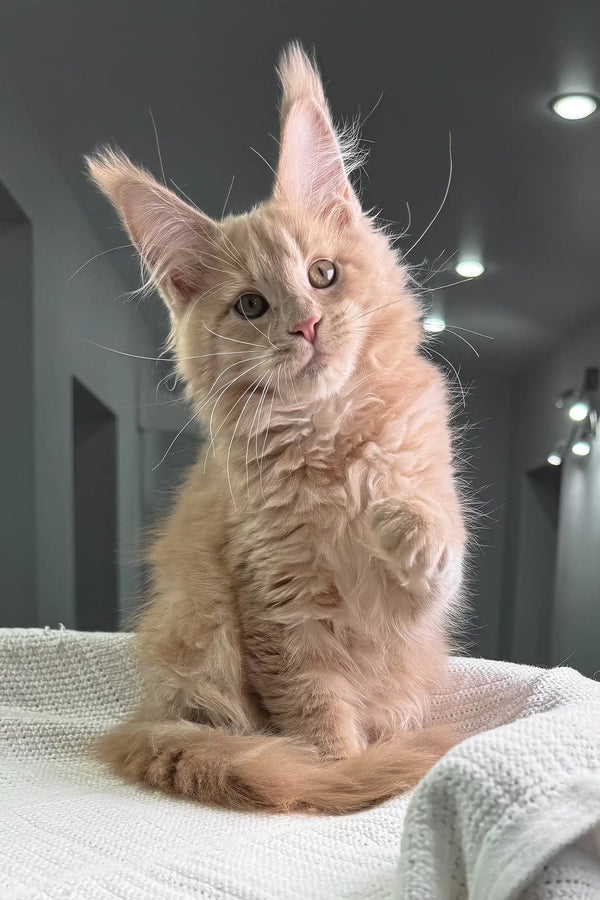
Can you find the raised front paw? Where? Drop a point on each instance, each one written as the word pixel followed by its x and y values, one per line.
pixel 409 540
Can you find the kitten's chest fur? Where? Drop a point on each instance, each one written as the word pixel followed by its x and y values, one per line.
pixel 298 548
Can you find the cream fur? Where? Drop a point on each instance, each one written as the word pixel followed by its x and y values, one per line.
pixel 307 577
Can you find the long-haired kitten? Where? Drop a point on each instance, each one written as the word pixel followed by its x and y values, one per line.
pixel 306 578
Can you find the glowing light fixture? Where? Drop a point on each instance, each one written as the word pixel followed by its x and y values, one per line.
pixel 435 319
pixel 574 106
pixel 581 447
pixel 579 410
pixel 470 268
pixel 434 324
pixel 583 409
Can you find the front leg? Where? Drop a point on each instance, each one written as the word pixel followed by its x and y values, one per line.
pixel 422 544
pixel 298 673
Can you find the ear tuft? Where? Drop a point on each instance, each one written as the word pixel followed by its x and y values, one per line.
pixel 110 170
pixel 300 79
pixel 170 235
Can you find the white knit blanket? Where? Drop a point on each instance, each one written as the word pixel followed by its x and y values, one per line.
pixel 513 812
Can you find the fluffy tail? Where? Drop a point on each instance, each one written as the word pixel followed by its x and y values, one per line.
pixel 264 772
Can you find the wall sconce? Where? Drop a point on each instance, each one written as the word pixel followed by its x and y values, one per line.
pixel 582 408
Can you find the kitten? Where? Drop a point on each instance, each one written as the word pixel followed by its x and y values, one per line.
pixel 305 581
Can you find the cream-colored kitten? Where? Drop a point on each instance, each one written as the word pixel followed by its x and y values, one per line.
pixel 304 583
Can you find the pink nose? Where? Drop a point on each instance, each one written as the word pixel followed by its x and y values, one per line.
pixel 308 328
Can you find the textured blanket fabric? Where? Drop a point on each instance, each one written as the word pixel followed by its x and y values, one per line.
pixel 512 812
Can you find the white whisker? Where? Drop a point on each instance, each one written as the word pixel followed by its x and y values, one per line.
pixel 97 256
pixel 470 331
pixel 235 340
pixel 265 161
pixel 262 334
pixel 441 287
pixel 255 385
pixel 165 359
pixel 221 392
pixel 227 197
pixel 463 339
pixel 162 168
pixel 429 349
pixel 262 452
pixel 444 198
pixel 180 432
pixel 256 414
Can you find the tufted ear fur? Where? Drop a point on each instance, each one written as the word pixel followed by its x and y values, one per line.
pixel 311 173
pixel 176 242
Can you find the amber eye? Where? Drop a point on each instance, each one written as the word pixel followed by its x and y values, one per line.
pixel 251 306
pixel 322 273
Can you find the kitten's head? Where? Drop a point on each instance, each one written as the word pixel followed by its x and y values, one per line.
pixel 296 296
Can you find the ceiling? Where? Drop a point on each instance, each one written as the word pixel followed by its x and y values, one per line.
pixel 525 189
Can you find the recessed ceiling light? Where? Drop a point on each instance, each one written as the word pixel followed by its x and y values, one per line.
pixel 470 268
pixel 554 458
pixel 574 106
pixel 434 324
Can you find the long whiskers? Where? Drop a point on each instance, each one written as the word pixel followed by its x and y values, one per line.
pixel 262 452
pixel 235 340
pixel 254 386
pixel 444 198
pixel 180 432
pixel 441 355
pixel 463 339
pixel 166 359
pixel 254 419
pixel 262 334
pixel 440 268
pixel 221 392
pixel 401 299
pixel 97 256
pixel 470 331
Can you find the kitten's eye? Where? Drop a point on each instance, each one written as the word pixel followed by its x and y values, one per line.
pixel 322 273
pixel 251 306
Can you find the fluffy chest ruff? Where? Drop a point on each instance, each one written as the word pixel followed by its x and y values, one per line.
pixel 311 594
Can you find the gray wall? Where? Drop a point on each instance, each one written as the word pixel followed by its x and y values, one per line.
pixel 485 446
pixel 67 314
pixel 576 626
pixel 530 599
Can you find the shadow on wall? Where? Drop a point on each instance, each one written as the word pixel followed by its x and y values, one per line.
pixel 17 520
pixel 95 511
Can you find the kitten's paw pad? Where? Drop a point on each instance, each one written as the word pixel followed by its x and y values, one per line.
pixel 406 539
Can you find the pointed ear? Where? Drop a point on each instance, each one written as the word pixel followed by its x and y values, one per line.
pixel 177 243
pixel 311 171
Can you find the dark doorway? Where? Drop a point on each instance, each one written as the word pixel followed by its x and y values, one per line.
pixel 95 500
pixel 17 518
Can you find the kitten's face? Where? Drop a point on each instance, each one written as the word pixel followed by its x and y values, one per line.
pixel 283 305
pixel 277 301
